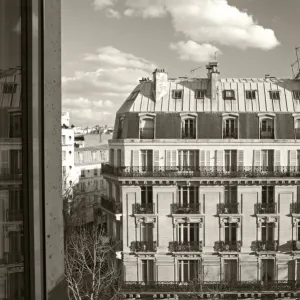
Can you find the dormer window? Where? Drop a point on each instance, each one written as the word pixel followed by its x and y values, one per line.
pixel 228 95
pixel 146 126
pixel 250 95
pixel 230 127
pixel 296 95
pixel 200 94
pixel 274 95
pixel 177 94
pixel 267 128
pixel 9 88
pixel 188 126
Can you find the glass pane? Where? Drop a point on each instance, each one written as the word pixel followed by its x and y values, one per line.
pixel 11 216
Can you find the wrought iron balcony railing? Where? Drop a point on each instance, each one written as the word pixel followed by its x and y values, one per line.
pixel 185 246
pixel 222 246
pixel 147 133
pixel 14 215
pixel 296 245
pixel 143 247
pixel 295 208
pixel 186 208
pixel 265 208
pixel 209 286
pixel 12 258
pixel 143 208
pixel 230 134
pixel 264 246
pixel 204 172
pixel 10 174
pixel 111 205
pixel 228 208
pixel 267 134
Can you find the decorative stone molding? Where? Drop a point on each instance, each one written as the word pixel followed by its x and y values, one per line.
pixel 267 219
pixel 188 219
pixel 230 219
pixel 145 219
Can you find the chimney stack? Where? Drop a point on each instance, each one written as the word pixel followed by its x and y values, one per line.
pixel 160 81
pixel 213 77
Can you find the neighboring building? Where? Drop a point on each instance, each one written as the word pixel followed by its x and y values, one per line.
pixel 31 224
pixel 204 187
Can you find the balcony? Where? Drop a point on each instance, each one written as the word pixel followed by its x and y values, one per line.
pixel 185 246
pixel 143 247
pixel 12 258
pixel 9 174
pixel 111 205
pixel 187 208
pixel 267 134
pixel 204 172
pixel 209 286
pixel 147 133
pixel 14 215
pixel 144 208
pixel 222 246
pixel 265 208
pixel 295 208
pixel 230 134
pixel 264 246
pixel 225 208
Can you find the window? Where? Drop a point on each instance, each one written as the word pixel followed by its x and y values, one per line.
pixel 230 160
pixel 147 128
pixel 188 270
pixel 82 173
pixel 230 128
pixel 189 128
pixel 188 195
pixel 64 156
pixel 274 95
pixel 268 204
pixel 146 195
pixel 231 203
pixel 296 95
pixel 15 127
pixel 297 128
pixel 4 161
pixel 95 172
pixel 120 128
pixel 188 232
pixel 250 94
pixel 146 232
pixel 111 157
pixel 63 140
pixel 267 160
pixel 188 160
pixel 230 270
pixel 267 232
pixel 9 88
pixel 267 129
pixel 228 95
pixel 64 168
pixel 82 186
pixel 147 270
pixel 267 270
pixel 230 232
pixel 147 160
pixel 119 157
pixel 200 94
pixel 177 94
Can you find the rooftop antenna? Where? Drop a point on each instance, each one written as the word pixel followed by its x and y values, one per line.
pixel 192 71
pixel 297 62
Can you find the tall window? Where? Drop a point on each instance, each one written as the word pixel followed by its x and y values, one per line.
pixel 267 196
pixel 267 129
pixel 230 270
pixel 15 128
pixel 188 232
pixel 119 157
pixel 189 128
pixel 230 232
pixel 147 160
pixel 230 129
pixel 63 140
pixel 188 270
pixel 230 160
pixel 147 128
pixel 188 159
pixel 267 232
pixel 188 195
pixel 146 195
pixel 4 161
pixel 64 168
pixel 267 160
pixel 147 270
pixel 267 269
pixel 297 128
pixel 274 95
pixel 146 232
pixel 231 203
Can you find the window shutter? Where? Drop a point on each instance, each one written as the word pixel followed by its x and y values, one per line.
pixel 156 159
pixel 173 156
pixel 219 158
pixel 207 161
pixel 134 158
pixel 168 158
pixel 240 158
pixel 202 158
pixel 122 158
pixel 293 158
pixel 256 158
pixel 277 159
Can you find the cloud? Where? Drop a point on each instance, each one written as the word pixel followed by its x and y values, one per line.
pixel 111 13
pixel 208 21
pixel 101 4
pixel 192 51
pixel 112 56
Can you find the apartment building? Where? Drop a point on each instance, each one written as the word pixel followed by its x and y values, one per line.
pixel 204 187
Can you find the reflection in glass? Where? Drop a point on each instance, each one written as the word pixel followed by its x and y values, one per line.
pixel 11 199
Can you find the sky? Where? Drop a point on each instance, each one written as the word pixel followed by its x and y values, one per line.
pixel 108 45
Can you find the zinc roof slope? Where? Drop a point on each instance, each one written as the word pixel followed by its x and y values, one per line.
pixel 142 99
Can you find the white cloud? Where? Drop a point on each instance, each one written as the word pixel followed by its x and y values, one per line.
pixel 208 21
pixel 112 56
pixel 111 13
pixel 101 4
pixel 192 51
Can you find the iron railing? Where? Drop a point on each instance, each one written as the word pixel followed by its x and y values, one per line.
pixel 230 134
pixel 197 171
pixel 295 208
pixel 267 134
pixel 143 247
pixel 296 245
pixel 10 174
pixel 222 246
pixel 228 208
pixel 14 215
pixel 264 246
pixel 209 286
pixel 143 208
pixel 185 208
pixel 147 133
pixel 12 258
pixel 111 205
pixel 265 208
pixel 185 246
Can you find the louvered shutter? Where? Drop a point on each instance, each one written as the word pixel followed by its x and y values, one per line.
pixel 207 158
pixel 277 160
pixel 156 160
pixel 202 158
pixel 167 158
pixel 240 159
pixel 293 158
pixel 134 158
pixel 173 158
pixel 256 158
pixel 219 159
pixel 122 158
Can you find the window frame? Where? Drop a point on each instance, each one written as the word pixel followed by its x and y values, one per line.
pixel 174 93
pixel 146 261
pixel 180 235
pixel 189 117
pixel 264 117
pixel 296 92
pixel 230 117
pixel 181 153
pixel 252 92
pixel 147 117
pixel 180 269
pixel 274 92
pixel 204 92
pixel 226 97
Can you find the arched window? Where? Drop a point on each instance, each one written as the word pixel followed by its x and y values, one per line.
pixel 267 128
pixel 230 127
pixel 188 126
pixel 147 128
